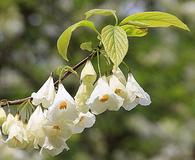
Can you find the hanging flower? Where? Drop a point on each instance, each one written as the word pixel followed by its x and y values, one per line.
pixel 85 120
pixel 56 135
pixel 63 108
pixel 136 93
pixel 88 74
pixel 35 132
pixel 103 98
pixel 120 89
pixel 53 148
pixel 82 95
pixel 45 95
pixel 16 132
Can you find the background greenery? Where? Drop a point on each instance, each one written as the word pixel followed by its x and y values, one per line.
pixel 162 62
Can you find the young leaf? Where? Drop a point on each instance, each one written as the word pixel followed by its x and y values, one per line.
pixel 103 12
pixel 63 41
pixel 115 42
pixel 61 70
pixel 135 31
pixel 86 46
pixel 154 19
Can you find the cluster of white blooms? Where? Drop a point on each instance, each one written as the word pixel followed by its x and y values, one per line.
pixel 58 115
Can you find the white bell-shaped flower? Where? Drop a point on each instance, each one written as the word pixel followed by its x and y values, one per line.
pixel 2 116
pixel 88 74
pixel 56 135
pixel 35 132
pixel 15 129
pixel 136 93
pixel 63 108
pixel 103 98
pixel 120 89
pixel 82 95
pixel 45 95
pixel 53 149
pixel 85 120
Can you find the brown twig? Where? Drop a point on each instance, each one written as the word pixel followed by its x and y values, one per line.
pixel 5 102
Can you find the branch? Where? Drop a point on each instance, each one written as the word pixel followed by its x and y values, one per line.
pixel 5 102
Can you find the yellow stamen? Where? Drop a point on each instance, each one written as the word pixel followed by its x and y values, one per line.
pixel 104 98
pixel 62 105
pixel 81 119
pixel 56 127
pixel 118 91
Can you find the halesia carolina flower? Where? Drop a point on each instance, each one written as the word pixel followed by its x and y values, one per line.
pixel 63 108
pixel 120 89
pixel 56 135
pixel 2 116
pixel 35 132
pixel 88 74
pixel 103 98
pixel 17 136
pixel 85 120
pixel 136 93
pixel 82 95
pixel 45 95
pixel 54 148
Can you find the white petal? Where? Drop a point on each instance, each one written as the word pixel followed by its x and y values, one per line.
pixel 97 107
pixel 45 95
pixel 131 105
pixel 57 130
pixel 115 103
pixel 53 149
pixel 34 127
pixel 103 98
pixel 85 120
pixel 119 74
pixel 135 90
pixel 100 89
pixel 17 136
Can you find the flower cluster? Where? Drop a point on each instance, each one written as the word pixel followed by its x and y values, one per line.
pixel 58 115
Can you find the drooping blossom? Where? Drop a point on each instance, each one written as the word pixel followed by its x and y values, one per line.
pixel 103 98
pixel 45 95
pixel 85 120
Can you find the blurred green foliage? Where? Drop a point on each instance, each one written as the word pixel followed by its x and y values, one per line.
pixel 163 63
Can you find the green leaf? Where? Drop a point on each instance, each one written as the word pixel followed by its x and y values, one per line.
pixel 86 46
pixel 115 42
pixel 135 31
pixel 154 19
pixel 103 12
pixel 63 41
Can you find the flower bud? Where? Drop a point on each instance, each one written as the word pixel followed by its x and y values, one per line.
pixel 88 74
